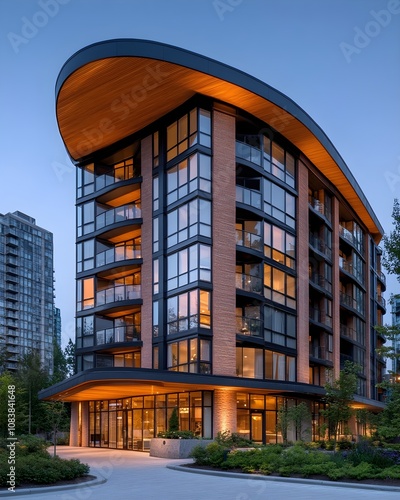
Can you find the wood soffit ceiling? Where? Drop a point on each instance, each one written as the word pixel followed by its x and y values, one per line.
pixel 108 99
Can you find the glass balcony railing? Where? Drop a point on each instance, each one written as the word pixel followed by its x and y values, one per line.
pixel 119 214
pixel 116 254
pixel 346 331
pixel 322 353
pixel 248 326
pixel 130 333
pixel 117 294
pixel 319 207
pixel 321 281
pixel 249 283
pixel 247 151
pixel 248 240
pixel 381 301
pixel 248 197
pixel 318 244
pixel 348 235
pixel 348 300
pixel 320 316
pixel 119 174
pixel 381 276
pixel 350 269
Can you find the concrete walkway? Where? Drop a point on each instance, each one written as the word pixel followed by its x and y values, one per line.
pixel 134 475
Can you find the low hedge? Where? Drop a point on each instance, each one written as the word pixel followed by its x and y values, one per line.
pixel 361 463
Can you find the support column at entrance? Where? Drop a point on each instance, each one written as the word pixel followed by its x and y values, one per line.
pixel 84 439
pixel 225 410
pixel 74 425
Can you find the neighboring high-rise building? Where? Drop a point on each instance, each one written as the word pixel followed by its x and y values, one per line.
pixel 395 303
pixel 227 259
pixel 57 325
pixel 26 289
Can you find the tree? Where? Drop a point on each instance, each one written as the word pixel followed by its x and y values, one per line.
pixel 69 354
pixel 338 396
pixel 299 416
pixel 60 371
pixel 389 424
pixel 391 257
pixel 283 422
pixel 173 423
pixel 57 419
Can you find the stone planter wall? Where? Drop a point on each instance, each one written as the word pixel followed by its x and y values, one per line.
pixel 175 448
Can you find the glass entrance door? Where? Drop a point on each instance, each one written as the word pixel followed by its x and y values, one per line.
pixel 256 426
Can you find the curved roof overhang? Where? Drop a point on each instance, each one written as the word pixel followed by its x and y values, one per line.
pixel 113 89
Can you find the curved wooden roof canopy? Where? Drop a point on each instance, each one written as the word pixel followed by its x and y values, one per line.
pixel 112 89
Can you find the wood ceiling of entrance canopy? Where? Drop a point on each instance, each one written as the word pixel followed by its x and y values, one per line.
pixel 103 99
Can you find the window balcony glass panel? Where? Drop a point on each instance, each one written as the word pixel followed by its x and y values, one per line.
pixel 119 253
pixel 118 293
pixel 249 283
pixel 248 197
pixel 249 240
pixel 248 326
pixel 129 333
pixel 119 214
pixel 319 352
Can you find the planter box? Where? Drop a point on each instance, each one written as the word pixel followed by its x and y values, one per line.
pixel 175 448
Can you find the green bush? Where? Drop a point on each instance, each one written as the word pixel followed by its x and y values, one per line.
pixel 213 455
pixel 38 468
pixel 232 440
pixel 177 435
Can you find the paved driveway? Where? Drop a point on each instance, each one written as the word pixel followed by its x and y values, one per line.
pixel 136 476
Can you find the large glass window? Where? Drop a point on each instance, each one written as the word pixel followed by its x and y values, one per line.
pixel 189 310
pixel 189 355
pixel 192 128
pixel 189 265
pixel 85 255
pixel 279 245
pixel 278 162
pixel 85 294
pixel 190 219
pixel 85 218
pixel 279 327
pixel 279 286
pixel 257 363
pixel 278 203
pixel 190 174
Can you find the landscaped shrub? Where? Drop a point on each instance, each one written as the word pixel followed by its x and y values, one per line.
pixel 177 435
pixel 232 440
pixel 213 455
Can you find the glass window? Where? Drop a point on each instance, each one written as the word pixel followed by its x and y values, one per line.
pixel 279 327
pixel 192 128
pixel 190 174
pixel 188 310
pixel 85 294
pixel 85 255
pixel 183 356
pixel 189 220
pixel 189 265
pixel 279 204
pixel 156 235
pixel 156 278
pixel 279 286
pixel 85 218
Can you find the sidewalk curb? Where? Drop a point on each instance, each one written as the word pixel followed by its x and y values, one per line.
pixel 51 489
pixel 258 477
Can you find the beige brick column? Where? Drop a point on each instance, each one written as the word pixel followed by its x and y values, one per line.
pixel 302 276
pixel 225 412
pixel 335 289
pixel 367 254
pixel 147 251
pixel 84 439
pixel 224 245
pixel 74 425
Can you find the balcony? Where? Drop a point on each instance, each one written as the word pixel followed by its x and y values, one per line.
pixel 248 197
pixel 249 240
pixel 381 301
pixel 381 277
pixel 348 301
pixel 321 281
pixel 118 174
pixel 247 151
pixel 118 293
pixel 319 207
pixel 319 316
pixel 350 269
pixel 321 353
pixel 119 253
pixel 249 283
pixel 11 261
pixel 347 235
pixel 119 214
pixel 248 326
pixel 130 333
pixel 11 315
pixel 320 246
pixel 11 288
pixel 348 332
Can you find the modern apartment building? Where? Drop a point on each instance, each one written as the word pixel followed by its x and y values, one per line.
pixel 26 289
pixel 227 259
pixel 395 303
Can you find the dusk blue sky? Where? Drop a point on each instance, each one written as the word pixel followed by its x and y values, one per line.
pixel 337 59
